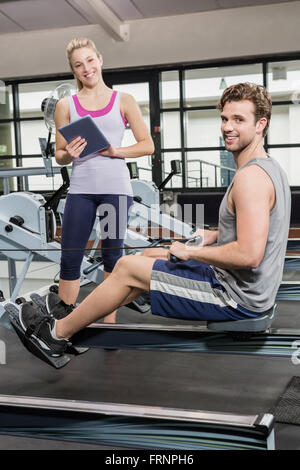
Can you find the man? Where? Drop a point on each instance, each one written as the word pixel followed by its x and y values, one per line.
pixel 235 279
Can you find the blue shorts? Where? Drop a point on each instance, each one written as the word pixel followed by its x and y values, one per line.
pixel 78 221
pixel 189 290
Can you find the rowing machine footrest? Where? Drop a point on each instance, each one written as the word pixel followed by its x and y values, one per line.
pixel 140 305
pixel 30 343
pixel 252 325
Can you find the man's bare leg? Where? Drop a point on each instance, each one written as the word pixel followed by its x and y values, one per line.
pixel 111 318
pixel 134 294
pixel 151 253
pixel 157 253
pixel 68 290
pixel 129 274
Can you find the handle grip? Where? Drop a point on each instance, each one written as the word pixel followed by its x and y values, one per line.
pixel 195 241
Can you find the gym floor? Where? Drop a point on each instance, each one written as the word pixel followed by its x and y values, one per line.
pixel 211 382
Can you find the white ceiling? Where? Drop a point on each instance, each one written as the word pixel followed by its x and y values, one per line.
pixel 138 9
pixel 29 15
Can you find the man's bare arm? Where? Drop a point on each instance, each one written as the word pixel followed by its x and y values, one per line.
pixel 253 197
pixel 209 237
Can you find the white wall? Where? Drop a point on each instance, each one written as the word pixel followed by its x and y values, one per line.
pixel 203 36
pixel 40 274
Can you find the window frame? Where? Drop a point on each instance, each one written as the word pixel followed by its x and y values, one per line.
pixel 153 75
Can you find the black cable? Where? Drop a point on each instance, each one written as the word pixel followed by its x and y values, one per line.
pixel 77 249
pixel 183 240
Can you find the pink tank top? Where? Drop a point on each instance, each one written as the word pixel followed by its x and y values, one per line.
pixel 96 174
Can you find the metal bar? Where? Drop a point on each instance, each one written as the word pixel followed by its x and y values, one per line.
pixel 265 83
pixel 156 163
pixel 210 107
pixel 184 328
pixel 283 146
pixel 176 414
pixel 218 148
pixel 293 283
pixel 6 186
pixel 21 278
pixel 201 173
pixel 212 164
pixel 17 128
pixel 271 441
pixel 12 274
pixel 182 127
pixel 20 171
pixel 26 183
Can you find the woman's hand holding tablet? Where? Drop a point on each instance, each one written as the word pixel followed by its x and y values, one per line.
pixel 86 129
pixel 76 147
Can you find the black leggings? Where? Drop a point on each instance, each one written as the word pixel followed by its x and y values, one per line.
pixel 78 221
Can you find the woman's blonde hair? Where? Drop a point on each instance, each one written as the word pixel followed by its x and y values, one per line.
pixel 78 43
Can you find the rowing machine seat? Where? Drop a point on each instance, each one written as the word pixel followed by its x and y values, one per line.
pixel 258 324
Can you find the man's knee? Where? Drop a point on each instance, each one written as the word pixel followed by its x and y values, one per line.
pixel 146 252
pixel 134 271
pixel 158 253
pixel 123 264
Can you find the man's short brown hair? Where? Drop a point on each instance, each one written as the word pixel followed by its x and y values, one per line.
pixel 257 94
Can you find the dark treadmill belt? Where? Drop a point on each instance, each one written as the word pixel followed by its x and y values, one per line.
pixel 230 384
pixel 293 244
pixel 288 292
pixel 287 409
pixel 288 315
pixel 208 382
pixel 185 341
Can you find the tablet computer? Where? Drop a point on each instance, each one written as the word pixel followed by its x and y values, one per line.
pixel 87 129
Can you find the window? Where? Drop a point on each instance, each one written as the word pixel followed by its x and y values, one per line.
pixel 7 139
pixel 191 122
pixel 209 169
pixel 32 126
pixel 140 91
pixel 204 87
pixel 283 83
pixel 202 128
pixel 169 89
pixel 6 101
pixel 187 123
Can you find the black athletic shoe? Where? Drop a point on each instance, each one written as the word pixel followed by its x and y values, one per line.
pixel 57 307
pixel 38 327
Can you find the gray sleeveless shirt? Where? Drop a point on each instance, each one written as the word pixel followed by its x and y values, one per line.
pixel 256 289
pixel 96 174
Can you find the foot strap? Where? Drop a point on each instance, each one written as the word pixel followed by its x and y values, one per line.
pixel 30 343
pixel 40 302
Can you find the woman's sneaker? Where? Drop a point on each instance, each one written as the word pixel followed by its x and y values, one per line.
pixel 38 328
pixel 57 307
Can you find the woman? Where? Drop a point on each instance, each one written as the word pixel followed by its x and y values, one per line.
pixel 99 178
